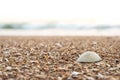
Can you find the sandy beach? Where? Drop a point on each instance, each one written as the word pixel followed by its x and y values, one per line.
pixel 54 58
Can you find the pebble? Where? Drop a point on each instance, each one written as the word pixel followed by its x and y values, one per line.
pixel 1 59
pixel 58 44
pixel 89 56
pixel 115 68
pixel 89 78
pixel 8 68
pixel 42 76
pixel 18 54
pixel 94 42
pixel 0 73
pixel 60 78
pixel 74 74
pixel 100 75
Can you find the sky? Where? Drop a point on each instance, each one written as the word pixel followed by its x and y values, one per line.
pixel 62 11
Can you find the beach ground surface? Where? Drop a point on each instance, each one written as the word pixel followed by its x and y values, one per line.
pixel 54 58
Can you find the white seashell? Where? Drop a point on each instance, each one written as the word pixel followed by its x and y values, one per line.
pixel 89 56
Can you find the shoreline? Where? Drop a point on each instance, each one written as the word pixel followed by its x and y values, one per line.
pixel 59 32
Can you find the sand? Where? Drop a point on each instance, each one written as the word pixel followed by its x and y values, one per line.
pixel 54 58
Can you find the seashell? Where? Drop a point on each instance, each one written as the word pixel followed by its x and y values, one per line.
pixel 89 56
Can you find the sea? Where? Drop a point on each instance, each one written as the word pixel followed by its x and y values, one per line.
pixel 59 30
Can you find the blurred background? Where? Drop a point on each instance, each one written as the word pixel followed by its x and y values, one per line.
pixel 59 18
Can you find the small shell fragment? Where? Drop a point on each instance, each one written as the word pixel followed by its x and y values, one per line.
pixel 8 68
pixel 115 68
pixel 89 56
pixel 100 75
pixel 74 74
